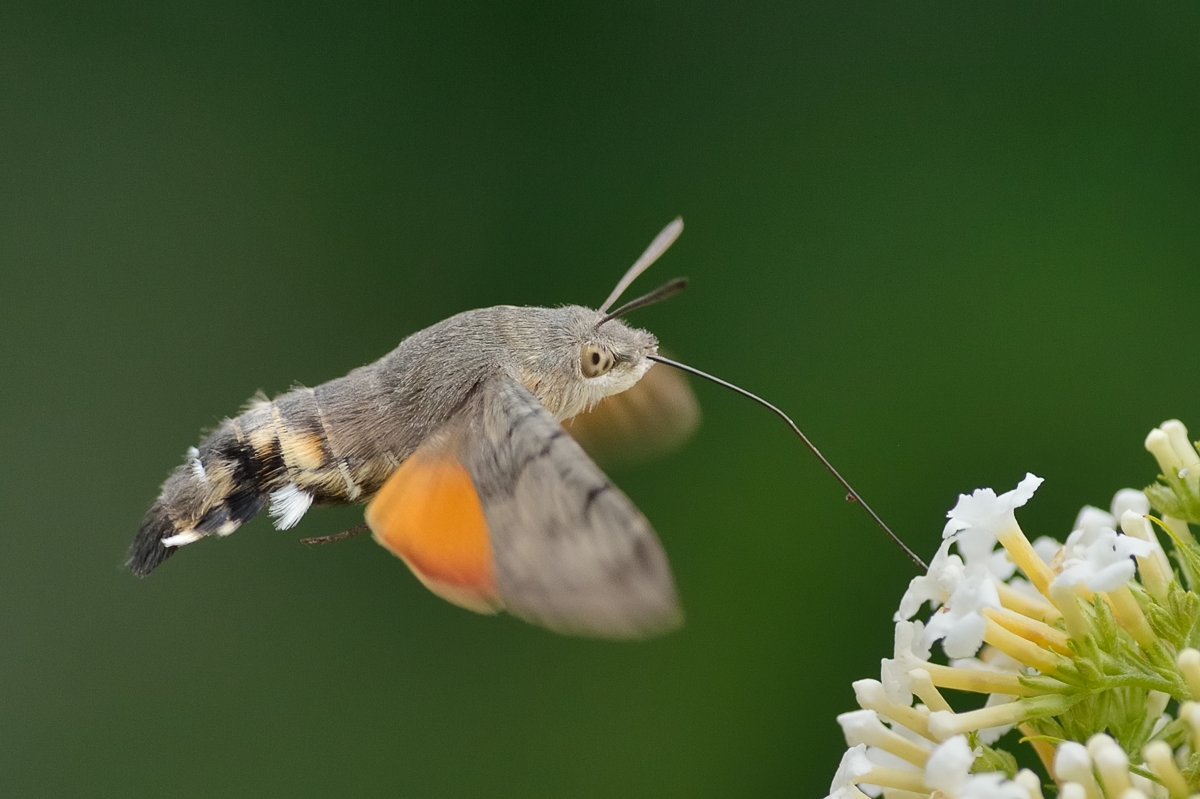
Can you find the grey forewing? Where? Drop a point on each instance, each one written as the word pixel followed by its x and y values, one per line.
pixel 572 552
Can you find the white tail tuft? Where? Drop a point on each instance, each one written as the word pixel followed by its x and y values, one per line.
pixel 182 539
pixel 288 506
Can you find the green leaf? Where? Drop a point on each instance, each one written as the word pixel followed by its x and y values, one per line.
pixel 992 759
pixel 1105 630
pixel 1177 623
pixel 1175 497
pixel 1184 607
pixel 1089 670
pixel 1124 716
pixel 1163 623
pixel 1164 498
pixel 1191 772
pixel 1175 733
pixel 1187 552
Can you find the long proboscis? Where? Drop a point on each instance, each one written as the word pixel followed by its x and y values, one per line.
pixel 851 494
pixel 657 247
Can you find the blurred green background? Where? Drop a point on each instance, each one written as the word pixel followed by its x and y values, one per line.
pixel 957 242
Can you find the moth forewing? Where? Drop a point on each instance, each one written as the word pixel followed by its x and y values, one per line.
pixel 572 553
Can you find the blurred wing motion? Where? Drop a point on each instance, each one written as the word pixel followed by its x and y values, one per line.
pixel 654 417
pixel 502 510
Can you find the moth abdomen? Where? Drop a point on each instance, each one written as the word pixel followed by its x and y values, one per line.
pixel 220 486
pixel 147 550
pixel 276 454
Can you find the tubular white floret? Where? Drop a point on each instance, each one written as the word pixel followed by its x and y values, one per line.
pixel 854 766
pixel 1159 445
pixel 1072 762
pixel 935 586
pixel 1130 499
pixel 1160 759
pixel 864 727
pixel 961 624
pixel 1066 599
pixel 1030 782
pixel 1156 704
pixel 922 685
pixel 1177 434
pixel 949 767
pixel 870 695
pixel 1190 713
pixel 1188 663
pixel 989 735
pixel 942 725
pixel 1154 568
pixel 1112 764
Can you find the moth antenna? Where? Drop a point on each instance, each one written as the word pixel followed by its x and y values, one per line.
pixel 663 292
pixel 342 536
pixel 657 247
pixel 851 494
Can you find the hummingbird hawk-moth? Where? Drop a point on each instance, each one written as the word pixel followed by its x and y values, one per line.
pixel 455 442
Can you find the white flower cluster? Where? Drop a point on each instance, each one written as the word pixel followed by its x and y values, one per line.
pixel 1046 630
pixel 947 772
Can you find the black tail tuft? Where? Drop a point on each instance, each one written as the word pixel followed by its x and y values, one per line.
pixel 147 550
pixel 192 504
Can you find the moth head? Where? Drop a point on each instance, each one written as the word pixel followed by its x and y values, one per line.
pixel 614 355
pixel 570 363
pixel 590 354
pixel 603 355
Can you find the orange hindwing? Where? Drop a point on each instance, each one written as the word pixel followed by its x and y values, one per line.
pixel 429 514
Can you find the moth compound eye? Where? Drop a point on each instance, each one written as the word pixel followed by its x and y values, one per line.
pixel 595 360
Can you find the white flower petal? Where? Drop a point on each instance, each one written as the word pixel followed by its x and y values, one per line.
pixel 882 757
pixel 1111 577
pixel 934 587
pixel 965 638
pixel 949 767
pixel 1072 762
pixel 893 675
pixel 991 785
pixel 1025 489
pixel 854 765
pixel 1046 548
pixel 1130 499
pixel 1092 519
pixel 983 510
pixel 999 565
pixel 960 625
pixel 908 641
pixel 976 544
pixel 860 726
pixel 910 653
pixel 1102 563
pixel 954 525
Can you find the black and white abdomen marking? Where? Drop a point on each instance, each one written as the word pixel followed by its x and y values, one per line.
pixel 280 455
